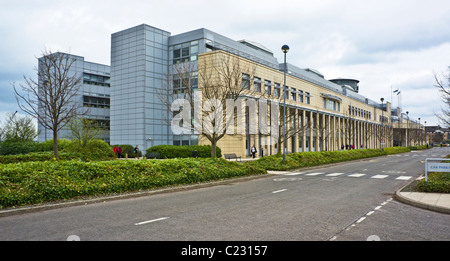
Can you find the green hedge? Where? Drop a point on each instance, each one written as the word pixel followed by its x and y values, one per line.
pixel 171 151
pixel 308 159
pixel 94 150
pixel 437 183
pixel 37 182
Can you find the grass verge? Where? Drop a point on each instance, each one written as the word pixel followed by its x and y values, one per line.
pixel 41 181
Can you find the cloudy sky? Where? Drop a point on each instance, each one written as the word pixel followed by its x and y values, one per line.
pixel 385 44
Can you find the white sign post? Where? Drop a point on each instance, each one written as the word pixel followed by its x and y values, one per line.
pixel 436 166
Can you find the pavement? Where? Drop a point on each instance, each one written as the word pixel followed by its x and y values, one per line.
pixel 439 202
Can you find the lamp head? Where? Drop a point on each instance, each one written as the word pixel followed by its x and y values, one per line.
pixel 285 48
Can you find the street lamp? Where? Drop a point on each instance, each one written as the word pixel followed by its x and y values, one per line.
pixel 420 134
pixel 407 122
pixel 285 49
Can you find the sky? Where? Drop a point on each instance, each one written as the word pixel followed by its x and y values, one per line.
pixel 386 45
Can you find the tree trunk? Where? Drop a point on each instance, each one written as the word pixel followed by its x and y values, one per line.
pixel 213 148
pixel 55 144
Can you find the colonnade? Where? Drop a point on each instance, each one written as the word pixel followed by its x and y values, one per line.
pixel 308 130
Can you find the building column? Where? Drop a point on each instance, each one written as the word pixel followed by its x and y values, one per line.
pixel 303 131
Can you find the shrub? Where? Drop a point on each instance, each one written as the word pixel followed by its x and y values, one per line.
pixel 171 151
pixel 437 183
pixel 308 159
pixel 17 147
pixel 37 182
pixel 128 151
pixel 94 149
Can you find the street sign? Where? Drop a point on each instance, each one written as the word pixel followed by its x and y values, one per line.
pixel 436 166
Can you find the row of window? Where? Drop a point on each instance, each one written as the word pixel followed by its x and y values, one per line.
pixel 94 79
pixel 331 104
pixel 96 102
pixel 295 95
pixel 359 112
pixel 185 52
pixel 182 85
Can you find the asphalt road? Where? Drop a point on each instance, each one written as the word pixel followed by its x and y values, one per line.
pixel 347 201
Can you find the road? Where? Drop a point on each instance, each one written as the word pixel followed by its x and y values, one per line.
pixel 346 201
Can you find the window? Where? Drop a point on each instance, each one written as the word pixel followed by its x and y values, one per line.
pixel 324 103
pixel 300 95
pixel 308 98
pixel 293 94
pixel 257 84
pixel 276 90
pixel 96 102
pixel 185 52
pixel 245 81
pixel 94 79
pixel 331 105
pixel 267 87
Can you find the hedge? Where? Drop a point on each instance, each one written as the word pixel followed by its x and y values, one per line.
pixel 37 182
pixel 172 151
pixel 308 159
pixel 437 183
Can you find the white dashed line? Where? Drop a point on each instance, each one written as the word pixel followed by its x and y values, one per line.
pixel 278 191
pixel 356 175
pixel 379 176
pixel 150 221
pixel 314 174
pixel 404 178
pixel 294 174
pixel 334 174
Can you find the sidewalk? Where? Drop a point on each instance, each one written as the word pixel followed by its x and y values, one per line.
pixel 439 202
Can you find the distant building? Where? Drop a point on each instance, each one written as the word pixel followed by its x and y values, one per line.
pixel 94 94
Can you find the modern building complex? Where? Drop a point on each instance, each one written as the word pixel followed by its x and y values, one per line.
pixel 320 115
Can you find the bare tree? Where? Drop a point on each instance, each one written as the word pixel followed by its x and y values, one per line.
pixel 444 90
pixel 204 88
pixel 50 98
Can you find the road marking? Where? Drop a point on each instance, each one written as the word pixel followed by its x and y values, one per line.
pixel 334 174
pixel 404 178
pixel 278 191
pixel 360 220
pixel 379 176
pixel 150 221
pixel 294 173
pixel 356 175
pixel 314 174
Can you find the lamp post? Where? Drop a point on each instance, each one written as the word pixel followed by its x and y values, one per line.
pixel 382 124
pixel 426 136
pixel 285 49
pixel 407 122
pixel 420 134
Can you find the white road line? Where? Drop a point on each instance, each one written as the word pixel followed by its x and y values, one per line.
pixel 294 173
pixel 278 191
pixel 334 174
pixel 356 175
pixel 379 176
pixel 150 221
pixel 404 178
pixel 314 174
pixel 360 220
